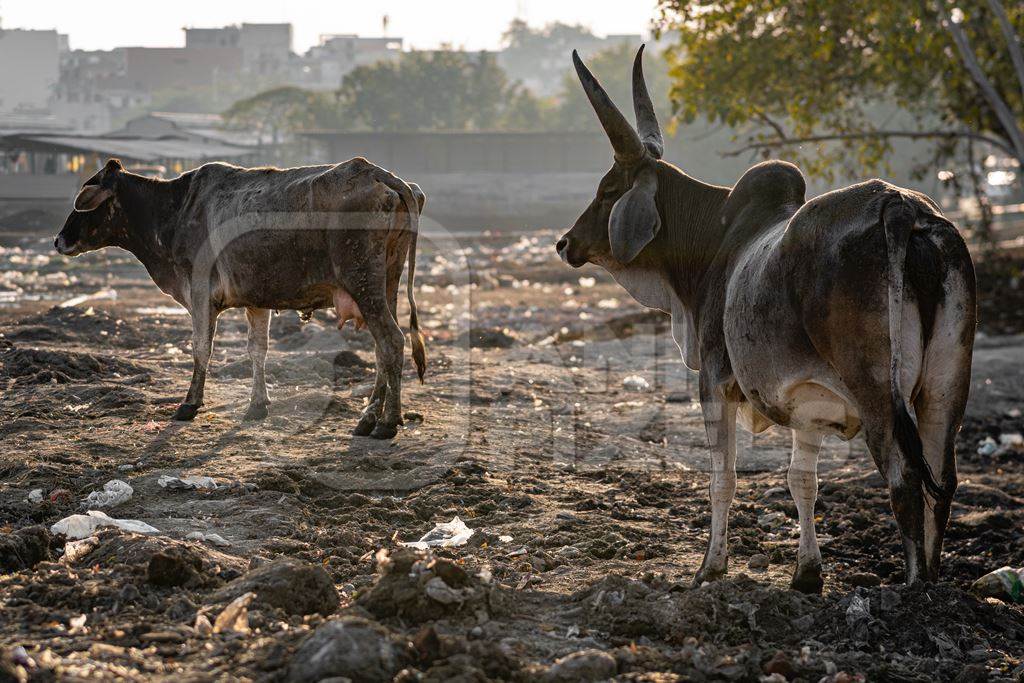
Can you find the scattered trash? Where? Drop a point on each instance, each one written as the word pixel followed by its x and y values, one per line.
pixel 858 616
pixel 76 550
pixel 505 538
pixel 35 496
pixel 58 496
pixel 636 383
pixel 103 294
pixel 235 616
pixel 215 539
pixel 1005 583
pixel 114 493
pixel 187 483
pixel 444 535
pixel 78 527
pixel 1014 440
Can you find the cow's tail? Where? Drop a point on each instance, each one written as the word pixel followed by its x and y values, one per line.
pixel 898 218
pixel 419 349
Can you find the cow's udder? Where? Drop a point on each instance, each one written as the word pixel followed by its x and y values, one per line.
pixel 347 309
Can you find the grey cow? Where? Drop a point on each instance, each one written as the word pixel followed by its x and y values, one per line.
pixel 831 316
pixel 221 237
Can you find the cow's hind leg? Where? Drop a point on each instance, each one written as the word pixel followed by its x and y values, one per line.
pixel 368 420
pixel 803 486
pixel 720 425
pixel 259 340
pixel 390 346
pixel 204 325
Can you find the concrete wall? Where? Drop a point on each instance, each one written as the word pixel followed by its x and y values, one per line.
pixel 532 180
pixel 29 68
pixel 149 69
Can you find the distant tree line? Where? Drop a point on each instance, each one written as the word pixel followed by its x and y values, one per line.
pixel 442 90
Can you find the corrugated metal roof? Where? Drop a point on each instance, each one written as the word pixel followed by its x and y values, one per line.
pixel 138 149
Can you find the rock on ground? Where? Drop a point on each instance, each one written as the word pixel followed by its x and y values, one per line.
pixel 585 665
pixel 289 584
pixel 351 647
pixel 24 549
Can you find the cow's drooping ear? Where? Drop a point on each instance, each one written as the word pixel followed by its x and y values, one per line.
pixel 634 220
pixel 91 196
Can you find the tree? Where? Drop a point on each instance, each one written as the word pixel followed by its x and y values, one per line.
pixel 438 90
pixel 810 72
pixel 283 110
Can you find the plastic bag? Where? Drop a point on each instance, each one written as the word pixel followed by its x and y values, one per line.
pixel 114 493
pixel 444 535
pixel 77 527
pixel 1005 583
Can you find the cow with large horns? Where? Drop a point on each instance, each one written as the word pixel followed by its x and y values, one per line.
pixel 853 312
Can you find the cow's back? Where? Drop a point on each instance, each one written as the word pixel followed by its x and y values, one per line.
pixel 282 235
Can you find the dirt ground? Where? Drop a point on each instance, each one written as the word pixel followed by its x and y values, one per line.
pixel 557 422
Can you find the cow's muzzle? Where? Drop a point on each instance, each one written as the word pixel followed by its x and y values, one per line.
pixel 63 248
pixel 565 250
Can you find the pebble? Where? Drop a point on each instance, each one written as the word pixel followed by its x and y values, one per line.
pixel 758 561
pixel 585 665
pixel 864 579
pixel 352 647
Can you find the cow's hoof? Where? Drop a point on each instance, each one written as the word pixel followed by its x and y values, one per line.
pixel 384 431
pixel 365 425
pixel 707 575
pixel 256 412
pixel 808 580
pixel 186 412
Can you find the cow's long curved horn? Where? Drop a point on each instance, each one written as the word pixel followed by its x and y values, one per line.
pixel 646 120
pixel 625 141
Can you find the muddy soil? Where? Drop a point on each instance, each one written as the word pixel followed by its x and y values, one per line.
pixel 557 422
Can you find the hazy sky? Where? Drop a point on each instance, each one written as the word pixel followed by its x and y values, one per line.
pixel 473 24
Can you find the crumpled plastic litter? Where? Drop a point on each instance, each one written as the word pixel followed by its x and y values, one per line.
pixel 114 493
pixel 192 482
pixel 77 527
pixel 35 496
pixel 444 535
pixel 858 617
pixel 636 383
pixel 215 539
pixel 1013 441
pixel 1005 583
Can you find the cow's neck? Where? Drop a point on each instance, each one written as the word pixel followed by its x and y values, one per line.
pixel 671 273
pixel 152 208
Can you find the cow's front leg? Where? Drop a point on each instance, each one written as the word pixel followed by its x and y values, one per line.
pixel 258 342
pixel 204 324
pixel 720 425
pixel 803 486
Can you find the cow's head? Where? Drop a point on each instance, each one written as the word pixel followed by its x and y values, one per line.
pixel 97 219
pixel 623 218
